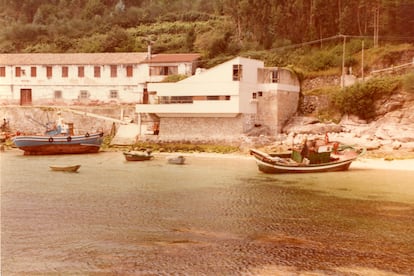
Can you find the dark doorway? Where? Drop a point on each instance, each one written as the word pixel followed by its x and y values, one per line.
pixel 25 96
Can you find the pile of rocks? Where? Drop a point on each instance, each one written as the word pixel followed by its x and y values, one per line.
pixel 393 131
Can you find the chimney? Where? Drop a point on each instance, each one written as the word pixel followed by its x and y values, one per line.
pixel 149 51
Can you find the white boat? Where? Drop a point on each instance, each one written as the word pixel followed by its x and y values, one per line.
pixel 177 160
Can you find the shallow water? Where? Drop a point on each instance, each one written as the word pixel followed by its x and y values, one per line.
pixel 212 216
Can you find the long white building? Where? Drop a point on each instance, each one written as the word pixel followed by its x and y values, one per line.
pixel 85 78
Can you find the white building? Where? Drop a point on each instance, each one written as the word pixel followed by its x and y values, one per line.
pixel 223 102
pixel 85 78
pixel 229 99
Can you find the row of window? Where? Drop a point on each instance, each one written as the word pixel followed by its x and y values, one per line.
pixel 190 99
pixel 84 94
pixel 153 71
pixel 19 71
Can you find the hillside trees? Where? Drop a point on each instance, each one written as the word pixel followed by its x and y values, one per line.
pixel 245 24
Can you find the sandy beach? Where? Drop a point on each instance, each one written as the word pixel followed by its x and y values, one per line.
pixel 360 163
pixel 374 163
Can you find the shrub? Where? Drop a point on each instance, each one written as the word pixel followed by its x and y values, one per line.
pixel 359 99
pixel 408 83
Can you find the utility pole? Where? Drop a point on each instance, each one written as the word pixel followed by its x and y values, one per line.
pixel 362 61
pixel 376 25
pixel 343 62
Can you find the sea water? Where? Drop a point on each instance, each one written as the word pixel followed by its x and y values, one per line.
pixel 215 215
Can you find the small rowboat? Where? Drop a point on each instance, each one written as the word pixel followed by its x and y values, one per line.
pixel 177 160
pixel 73 168
pixel 138 155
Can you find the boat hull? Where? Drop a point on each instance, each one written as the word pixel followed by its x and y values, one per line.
pixel 266 164
pixel 179 160
pixel 49 145
pixel 137 157
pixel 73 168
pixel 331 167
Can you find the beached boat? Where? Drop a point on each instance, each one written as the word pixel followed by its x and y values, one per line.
pixel 176 160
pixel 60 168
pixel 59 144
pixel 295 162
pixel 138 155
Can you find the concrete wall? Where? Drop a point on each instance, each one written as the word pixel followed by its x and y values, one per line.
pixel 275 108
pixel 287 106
pixel 202 129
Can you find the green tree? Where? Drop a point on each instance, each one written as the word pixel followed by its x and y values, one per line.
pixel 93 8
pixel 118 40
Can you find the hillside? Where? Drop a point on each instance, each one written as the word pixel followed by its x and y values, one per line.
pixel 279 32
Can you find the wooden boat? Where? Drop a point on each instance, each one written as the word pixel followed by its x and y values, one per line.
pixel 73 168
pixel 59 144
pixel 316 162
pixel 177 160
pixel 138 155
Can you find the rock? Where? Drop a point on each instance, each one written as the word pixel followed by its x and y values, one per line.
pixel 310 125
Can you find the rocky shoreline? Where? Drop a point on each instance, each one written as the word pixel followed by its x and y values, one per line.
pixel 389 137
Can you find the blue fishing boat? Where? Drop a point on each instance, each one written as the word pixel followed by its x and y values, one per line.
pixel 59 144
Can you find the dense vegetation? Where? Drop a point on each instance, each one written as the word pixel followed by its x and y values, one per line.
pixel 214 28
pixel 306 35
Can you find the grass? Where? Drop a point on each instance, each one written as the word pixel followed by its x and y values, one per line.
pixel 172 147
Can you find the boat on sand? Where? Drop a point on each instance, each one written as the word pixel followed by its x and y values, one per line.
pixel 59 144
pixel 138 155
pixel 65 168
pixel 176 160
pixel 309 158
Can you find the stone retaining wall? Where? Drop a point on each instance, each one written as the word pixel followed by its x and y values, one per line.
pixel 31 120
pixel 202 129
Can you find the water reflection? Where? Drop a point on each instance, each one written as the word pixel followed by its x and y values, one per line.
pixel 209 217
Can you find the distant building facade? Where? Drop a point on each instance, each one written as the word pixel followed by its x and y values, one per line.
pixel 85 78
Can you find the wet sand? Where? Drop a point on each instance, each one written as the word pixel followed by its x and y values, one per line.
pixel 213 216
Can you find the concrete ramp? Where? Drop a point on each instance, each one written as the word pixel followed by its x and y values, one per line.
pixel 126 135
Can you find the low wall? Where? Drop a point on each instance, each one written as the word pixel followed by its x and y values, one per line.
pixel 31 119
pixel 202 130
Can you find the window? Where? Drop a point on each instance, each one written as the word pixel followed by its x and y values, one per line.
pixel 129 71
pixel 254 95
pixel 275 76
pixel 113 94
pixel 58 94
pixel 97 72
pixel 65 72
pixel 113 71
pixel 237 72
pixel 49 72
pixel 33 71
pixel 176 99
pixel 213 98
pixel 2 71
pixel 163 70
pixel 84 94
pixel 81 71
pixel 18 72
pixel 260 93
